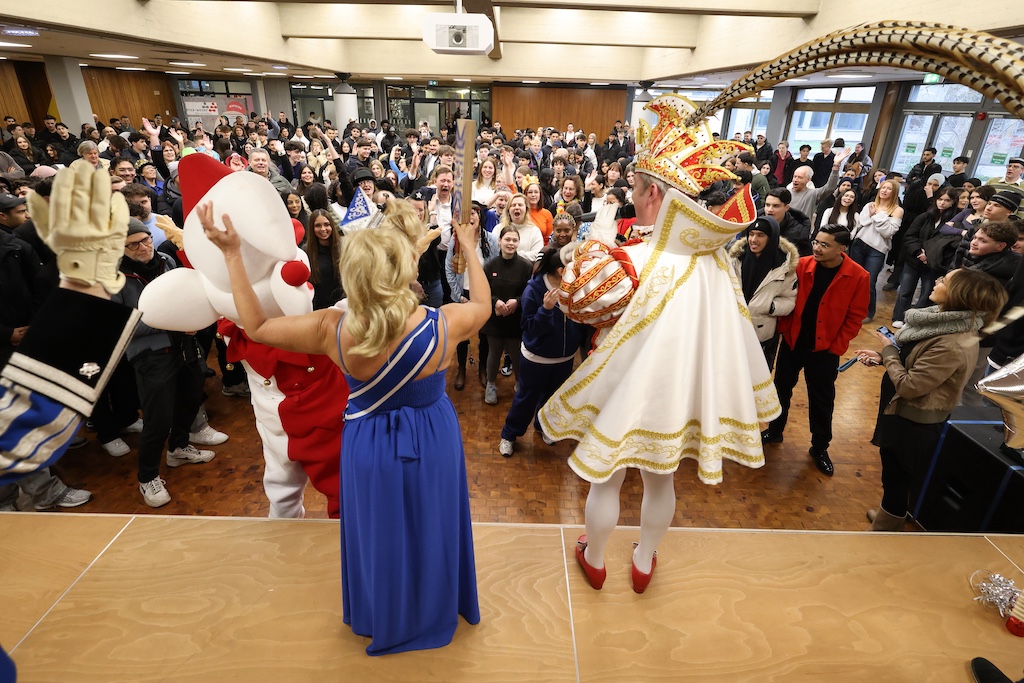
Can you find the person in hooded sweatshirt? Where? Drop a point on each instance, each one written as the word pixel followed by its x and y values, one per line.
pixel 765 264
pixel 550 341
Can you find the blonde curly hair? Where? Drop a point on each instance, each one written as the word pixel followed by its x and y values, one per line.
pixel 377 267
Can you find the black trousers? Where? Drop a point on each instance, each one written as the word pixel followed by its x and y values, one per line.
pixel 171 392
pixel 820 371
pixel 118 405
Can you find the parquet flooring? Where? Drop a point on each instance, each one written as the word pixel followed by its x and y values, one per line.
pixel 536 485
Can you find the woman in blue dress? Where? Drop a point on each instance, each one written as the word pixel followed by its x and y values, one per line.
pixel 406 540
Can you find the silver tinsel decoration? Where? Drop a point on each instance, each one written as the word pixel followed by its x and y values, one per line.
pixel 995 590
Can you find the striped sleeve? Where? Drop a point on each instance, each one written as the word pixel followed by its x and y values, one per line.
pixel 34 431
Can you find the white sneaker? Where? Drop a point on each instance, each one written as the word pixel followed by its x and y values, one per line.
pixel 116 448
pixel 189 455
pixel 155 493
pixel 547 439
pixel 491 395
pixel 134 427
pixel 505 448
pixel 207 436
pixel 897 324
pixel 72 498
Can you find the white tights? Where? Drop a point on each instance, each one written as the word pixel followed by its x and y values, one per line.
pixel 656 512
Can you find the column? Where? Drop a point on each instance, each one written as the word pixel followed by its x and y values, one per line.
pixel 69 91
pixel 346 106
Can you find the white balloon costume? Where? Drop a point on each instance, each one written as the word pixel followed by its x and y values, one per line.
pixel 298 399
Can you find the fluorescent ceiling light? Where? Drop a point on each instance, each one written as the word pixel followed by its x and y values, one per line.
pixel 79 64
pixel 797 80
pixel 463 80
pixel 235 68
pixel 600 84
pixel 186 64
pixel 272 73
pixel 130 68
pixel 317 87
pixel 848 76
pixel 279 67
pixel 301 76
pixel 177 73
pixel 106 55
pixel 392 78
pixel 325 75
pixel 530 82
pixel 3 44
pixel 10 31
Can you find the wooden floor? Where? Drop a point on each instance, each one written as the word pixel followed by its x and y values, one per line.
pixel 152 598
pixel 536 485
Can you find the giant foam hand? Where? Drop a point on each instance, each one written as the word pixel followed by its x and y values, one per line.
pixel 193 298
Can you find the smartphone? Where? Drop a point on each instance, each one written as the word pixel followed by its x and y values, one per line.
pixel 888 334
pixel 848 364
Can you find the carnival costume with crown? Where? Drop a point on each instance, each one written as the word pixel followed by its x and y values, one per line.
pixel 677 371
pixel 299 399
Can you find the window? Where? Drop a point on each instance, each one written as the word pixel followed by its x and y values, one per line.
pixel 822 113
pixel 1004 139
pixel 944 92
pixel 913 141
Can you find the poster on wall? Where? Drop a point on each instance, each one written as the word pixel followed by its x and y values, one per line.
pixel 209 108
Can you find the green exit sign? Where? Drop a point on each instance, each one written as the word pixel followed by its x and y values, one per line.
pixel 431 82
pixel 932 78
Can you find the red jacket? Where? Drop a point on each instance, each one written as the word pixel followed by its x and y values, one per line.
pixel 842 309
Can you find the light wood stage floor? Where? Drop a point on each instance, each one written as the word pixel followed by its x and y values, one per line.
pixel 157 598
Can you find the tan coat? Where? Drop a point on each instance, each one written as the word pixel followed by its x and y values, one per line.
pixel 776 295
pixel 937 370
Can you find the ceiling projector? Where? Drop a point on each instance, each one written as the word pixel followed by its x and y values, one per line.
pixel 457 33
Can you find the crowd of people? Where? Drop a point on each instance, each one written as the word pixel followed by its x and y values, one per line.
pixel 809 266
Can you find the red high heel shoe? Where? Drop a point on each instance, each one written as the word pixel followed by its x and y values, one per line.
pixel 595 577
pixel 639 580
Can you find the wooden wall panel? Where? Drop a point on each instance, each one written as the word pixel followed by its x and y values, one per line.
pixel 35 86
pixel 12 100
pixel 132 93
pixel 589 109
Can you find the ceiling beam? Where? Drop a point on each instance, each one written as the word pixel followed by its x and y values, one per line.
pixel 747 8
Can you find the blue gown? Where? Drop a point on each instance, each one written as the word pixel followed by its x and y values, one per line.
pixel 407 567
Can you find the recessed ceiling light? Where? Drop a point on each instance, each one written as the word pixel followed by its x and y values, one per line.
pixel 463 80
pixel 130 68
pixel 392 78
pixel 12 31
pixel 531 82
pixel 185 64
pixel 600 84
pixel 235 68
pixel 279 67
pixel 3 44
pixel 849 76
pixel 105 55
pixel 177 73
pixel 301 76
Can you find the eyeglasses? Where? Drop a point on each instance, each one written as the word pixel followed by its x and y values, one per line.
pixel 940 280
pixel 134 246
pixel 823 245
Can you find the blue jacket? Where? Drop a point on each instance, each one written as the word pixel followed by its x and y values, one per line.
pixel 548 334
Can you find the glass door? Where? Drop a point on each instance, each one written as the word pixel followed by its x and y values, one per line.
pixel 913 140
pixel 1004 139
pixel 950 138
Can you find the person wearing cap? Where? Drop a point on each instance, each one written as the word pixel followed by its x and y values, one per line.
pixel 364 180
pixel 765 264
pixel 1014 170
pixel 762 149
pixel 166 371
pixel 146 175
pixel 13 212
pixel 998 210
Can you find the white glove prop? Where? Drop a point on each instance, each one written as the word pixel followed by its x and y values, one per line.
pixel 604 228
pixel 84 225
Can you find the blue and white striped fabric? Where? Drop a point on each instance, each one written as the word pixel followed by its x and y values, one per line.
pixel 34 431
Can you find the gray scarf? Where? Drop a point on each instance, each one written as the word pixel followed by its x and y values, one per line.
pixel 925 323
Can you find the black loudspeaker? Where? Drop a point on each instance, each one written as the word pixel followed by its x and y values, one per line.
pixel 970 483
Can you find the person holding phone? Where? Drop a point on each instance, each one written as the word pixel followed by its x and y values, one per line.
pixel 924 378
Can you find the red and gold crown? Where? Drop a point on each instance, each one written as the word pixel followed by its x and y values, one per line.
pixel 687 158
